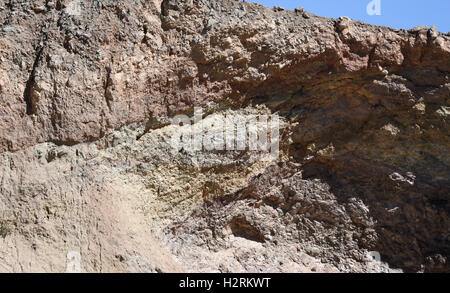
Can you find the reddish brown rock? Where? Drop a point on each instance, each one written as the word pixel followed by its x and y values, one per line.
pixel 365 163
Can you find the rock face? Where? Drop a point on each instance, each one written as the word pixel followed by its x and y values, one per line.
pixel 87 90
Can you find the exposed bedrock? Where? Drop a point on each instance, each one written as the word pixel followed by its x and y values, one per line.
pixel 87 90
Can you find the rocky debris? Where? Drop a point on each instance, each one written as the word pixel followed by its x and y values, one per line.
pixel 86 97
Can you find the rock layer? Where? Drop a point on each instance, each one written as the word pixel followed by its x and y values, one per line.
pixel 85 101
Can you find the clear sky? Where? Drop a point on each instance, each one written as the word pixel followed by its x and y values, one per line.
pixel 404 14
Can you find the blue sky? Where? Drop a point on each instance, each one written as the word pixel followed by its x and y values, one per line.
pixel 404 14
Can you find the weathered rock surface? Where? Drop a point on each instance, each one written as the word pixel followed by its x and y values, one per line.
pixel 85 101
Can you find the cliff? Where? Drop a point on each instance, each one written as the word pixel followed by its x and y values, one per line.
pixel 87 90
